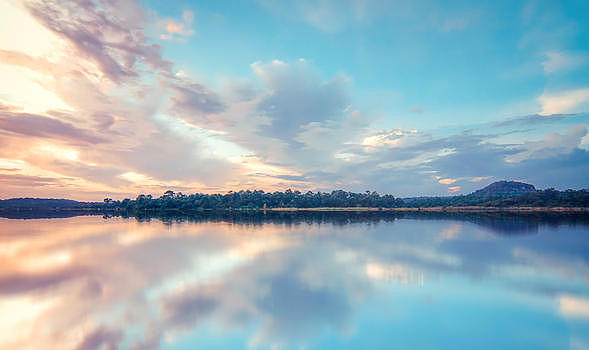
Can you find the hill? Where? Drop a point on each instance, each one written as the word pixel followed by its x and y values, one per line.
pixel 501 188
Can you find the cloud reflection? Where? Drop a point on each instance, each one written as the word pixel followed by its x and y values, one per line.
pixel 94 283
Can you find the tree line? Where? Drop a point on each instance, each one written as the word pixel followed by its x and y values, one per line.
pixel 258 199
pixel 540 198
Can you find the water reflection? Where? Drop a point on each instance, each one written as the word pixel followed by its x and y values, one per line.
pixel 295 280
pixel 508 223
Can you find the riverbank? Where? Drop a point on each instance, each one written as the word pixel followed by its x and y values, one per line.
pixel 464 209
pixel 261 214
pixel 471 209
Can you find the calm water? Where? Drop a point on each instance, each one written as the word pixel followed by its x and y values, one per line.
pixel 305 281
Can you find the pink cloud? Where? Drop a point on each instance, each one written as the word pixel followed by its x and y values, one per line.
pixel 447 181
pixel 453 189
pixel 175 29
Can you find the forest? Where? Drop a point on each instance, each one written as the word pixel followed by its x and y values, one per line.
pixel 258 199
pixel 343 199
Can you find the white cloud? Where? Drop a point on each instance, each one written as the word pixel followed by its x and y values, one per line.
pixel 557 61
pixel 573 306
pixel 585 141
pixel 564 102
pixel 389 138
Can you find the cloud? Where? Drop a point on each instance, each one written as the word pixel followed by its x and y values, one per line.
pixel 298 96
pixel 447 181
pixel 131 125
pixel 564 102
pixel 121 95
pixel 110 35
pixel 298 120
pixel 101 338
pixel 418 160
pixel 454 189
pixel 175 29
pixel 169 156
pixel 573 306
pixel 557 61
pixel 40 126
pixel 539 162
pixel 26 181
pixel 194 102
pixel 553 145
pixel 390 138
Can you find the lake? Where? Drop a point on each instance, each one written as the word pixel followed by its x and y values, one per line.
pixel 295 281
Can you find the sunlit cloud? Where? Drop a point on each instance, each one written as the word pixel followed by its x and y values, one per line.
pixel 28 90
pixel 392 138
pixel 175 30
pixel 32 38
pixel 454 189
pixel 573 306
pixel 447 181
pixel 90 96
pixel 564 102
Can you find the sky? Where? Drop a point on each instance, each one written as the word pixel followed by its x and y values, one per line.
pixel 116 98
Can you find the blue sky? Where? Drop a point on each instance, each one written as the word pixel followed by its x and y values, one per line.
pixel 460 62
pixel 405 98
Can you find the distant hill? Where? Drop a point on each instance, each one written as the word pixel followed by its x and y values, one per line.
pixel 500 188
pixel 39 203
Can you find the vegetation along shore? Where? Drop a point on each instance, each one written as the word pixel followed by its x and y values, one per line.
pixel 504 196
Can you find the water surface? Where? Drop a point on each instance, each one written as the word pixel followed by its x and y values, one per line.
pixel 293 281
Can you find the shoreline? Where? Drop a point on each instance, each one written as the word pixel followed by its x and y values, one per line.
pixel 444 209
pixel 465 209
